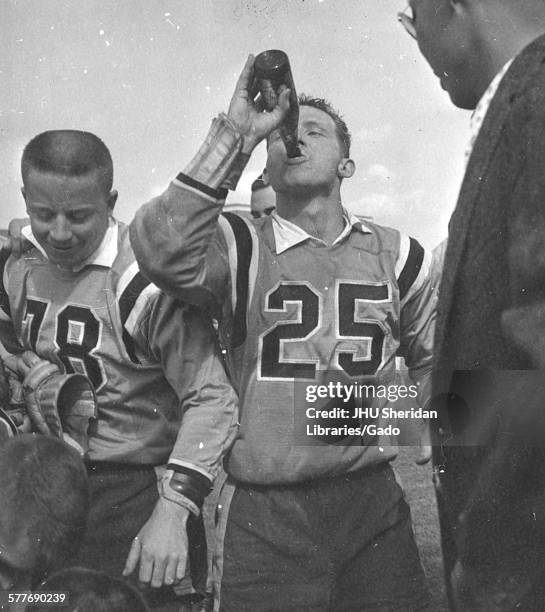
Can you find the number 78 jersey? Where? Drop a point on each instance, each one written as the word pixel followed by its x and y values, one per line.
pixel 292 310
pixel 150 358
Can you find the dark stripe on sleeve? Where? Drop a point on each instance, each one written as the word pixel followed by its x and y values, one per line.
pixel 243 241
pixel 217 194
pixel 126 304
pixel 4 298
pixel 411 269
pixel 194 485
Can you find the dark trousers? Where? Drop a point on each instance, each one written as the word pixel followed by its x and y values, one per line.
pixel 342 545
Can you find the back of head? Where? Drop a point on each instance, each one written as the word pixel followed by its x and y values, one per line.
pixel 44 502
pixel 71 153
pixel 92 591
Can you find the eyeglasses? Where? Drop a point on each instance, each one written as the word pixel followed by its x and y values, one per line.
pixel 407 21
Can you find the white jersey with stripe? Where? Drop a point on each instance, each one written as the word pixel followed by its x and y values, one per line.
pixel 163 396
pixel 292 317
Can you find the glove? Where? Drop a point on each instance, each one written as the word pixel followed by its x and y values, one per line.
pixel 60 405
pixel 57 402
pixel 16 368
pixel 12 401
pixel 43 412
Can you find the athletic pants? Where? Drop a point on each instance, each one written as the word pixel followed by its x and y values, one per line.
pixel 340 544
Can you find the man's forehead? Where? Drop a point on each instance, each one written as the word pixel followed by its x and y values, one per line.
pixel 89 179
pixel 46 187
pixel 310 114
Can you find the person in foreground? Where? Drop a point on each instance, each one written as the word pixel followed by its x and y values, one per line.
pixel 490 348
pixel 166 411
pixel 89 590
pixel 308 294
pixel 43 509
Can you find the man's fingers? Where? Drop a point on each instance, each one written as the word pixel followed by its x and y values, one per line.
pixel 424 456
pixel 253 90
pixel 17 243
pixel 246 75
pixel 171 569
pixel 7 247
pixel 132 557
pixel 158 575
pixel 180 570
pixel 13 246
pixel 260 104
pixel 425 445
pixel 30 358
pixel 146 566
pixel 284 100
pixel 282 107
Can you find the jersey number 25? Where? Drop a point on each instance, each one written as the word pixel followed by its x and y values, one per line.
pixel 366 334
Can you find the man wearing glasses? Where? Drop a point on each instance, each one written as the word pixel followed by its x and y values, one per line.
pixel 489 56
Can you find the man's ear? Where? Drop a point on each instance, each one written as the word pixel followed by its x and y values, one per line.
pixel 112 199
pixel 346 168
pixel 23 193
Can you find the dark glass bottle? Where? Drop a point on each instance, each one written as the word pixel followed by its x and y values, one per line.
pixel 272 69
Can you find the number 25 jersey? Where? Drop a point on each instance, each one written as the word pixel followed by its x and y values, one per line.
pixel 291 309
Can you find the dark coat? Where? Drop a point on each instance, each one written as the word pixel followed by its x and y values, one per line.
pixel 490 333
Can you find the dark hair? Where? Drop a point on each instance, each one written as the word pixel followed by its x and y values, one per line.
pixel 258 184
pixel 69 153
pixel 45 498
pixel 93 591
pixel 342 130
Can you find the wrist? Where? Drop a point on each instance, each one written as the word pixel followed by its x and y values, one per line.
pixel 220 161
pixel 249 143
pixel 174 508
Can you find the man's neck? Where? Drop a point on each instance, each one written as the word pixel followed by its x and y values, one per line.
pixel 320 216
pixel 507 34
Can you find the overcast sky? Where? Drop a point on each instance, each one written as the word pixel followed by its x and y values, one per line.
pixel 148 76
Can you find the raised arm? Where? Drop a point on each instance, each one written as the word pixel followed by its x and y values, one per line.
pixel 177 238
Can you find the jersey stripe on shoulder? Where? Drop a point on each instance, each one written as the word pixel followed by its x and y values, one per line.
pixel 5 310
pixel 242 245
pixel 133 294
pixel 409 267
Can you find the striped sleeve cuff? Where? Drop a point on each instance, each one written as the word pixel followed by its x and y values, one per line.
pixel 186 487
pixel 219 162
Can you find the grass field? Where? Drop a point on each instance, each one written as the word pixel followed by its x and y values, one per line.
pixel 417 483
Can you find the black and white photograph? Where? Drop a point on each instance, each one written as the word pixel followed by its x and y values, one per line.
pixel 272 305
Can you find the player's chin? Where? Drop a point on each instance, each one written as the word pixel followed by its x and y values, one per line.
pixel 63 256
